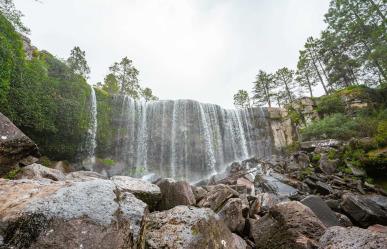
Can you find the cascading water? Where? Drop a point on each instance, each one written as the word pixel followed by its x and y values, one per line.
pixel 186 139
pixel 92 132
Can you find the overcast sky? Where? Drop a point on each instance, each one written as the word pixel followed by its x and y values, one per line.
pixel 185 49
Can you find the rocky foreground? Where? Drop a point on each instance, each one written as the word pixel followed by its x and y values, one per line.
pixel 277 203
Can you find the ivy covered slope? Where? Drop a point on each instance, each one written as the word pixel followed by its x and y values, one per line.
pixel 43 97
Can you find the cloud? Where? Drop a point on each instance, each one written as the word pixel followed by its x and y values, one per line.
pixel 196 49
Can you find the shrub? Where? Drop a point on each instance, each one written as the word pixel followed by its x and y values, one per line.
pixel 330 104
pixel 335 126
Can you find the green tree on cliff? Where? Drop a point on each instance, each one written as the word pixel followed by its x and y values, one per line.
pixel 111 84
pixel 263 89
pixel 8 10
pixel 127 77
pixel 147 94
pixel 77 62
pixel 284 81
pixel 242 99
pixel 306 74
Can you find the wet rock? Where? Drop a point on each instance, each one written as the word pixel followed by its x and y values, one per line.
pixel 321 210
pixel 326 165
pixel 14 145
pixel 363 210
pixel 187 228
pixel 288 225
pixel 51 214
pixel 232 215
pixel 37 171
pixel 352 238
pixel 175 193
pixel 217 196
pixel 84 176
pixel 247 184
pixel 143 190
pixel 273 184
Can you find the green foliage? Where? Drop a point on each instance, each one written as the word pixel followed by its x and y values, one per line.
pixel 334 126
pixel 381 133
pixel 8 10
pixel 127 77
pixel 43 97
pixel 147 94
pixel 77 62
pixel 242 99
pixel 330 104
pixel 263 89
pixel 13 173
pixel 306 172
pixel 107 162
pixel 295 116
pixel 293 147
pixel 45 161
pixel 316 158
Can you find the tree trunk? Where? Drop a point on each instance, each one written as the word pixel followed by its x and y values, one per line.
pixel 309 86
pixel 377 10
pixel 318 72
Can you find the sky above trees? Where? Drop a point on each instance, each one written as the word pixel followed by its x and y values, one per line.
pixel 193 49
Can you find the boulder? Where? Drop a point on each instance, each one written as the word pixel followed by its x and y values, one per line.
pixel 273 184
pixel 84 176
pixel 67 214
pixel 311 145
pixel 378 229
pixel 37 171
pixel 323 188
pixel 247 184
pixel 186 227
pixel 344 221
pixel 217 196
pixel 287 225
pixel 239 242
pixel 352 238
pixel 14 145
pixel 175 193
pixel 143 190
pixel 263 203
pixel 64 167
pixel 321 210
pixel 326 165
pixel 232 215
pixel 298 161
pixel 364 211
pixel 199 193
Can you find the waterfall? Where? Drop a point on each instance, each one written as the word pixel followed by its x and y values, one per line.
pixel 92 132
pixel 186 139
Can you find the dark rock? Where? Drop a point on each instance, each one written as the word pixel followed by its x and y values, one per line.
pixel 321 210
pixel 187 228
pixel 363 210
pixel 334 205
pixel 217 196
pixel 273 184
pixel 239 242
pixel 298 161
pixel 28 161
pixel 175 193
pixel 287 225
pixel 143 190
pixel 199 193
pixel 263 203
pixel 232 215
pixel 323 188
pixel 37 171
pixel 14 145
pixel 352 238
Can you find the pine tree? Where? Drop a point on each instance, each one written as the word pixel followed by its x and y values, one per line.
pixel 242 99
pixel 285 84
pixel 77 62
pixel 126 75
pixel 263 89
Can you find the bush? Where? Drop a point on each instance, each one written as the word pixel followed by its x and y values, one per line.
pixel 330 104
pixel 335 126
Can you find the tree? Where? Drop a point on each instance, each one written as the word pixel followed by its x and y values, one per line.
pixel 126 75
pixel 77 62
pixel 147 94
pixel 306 74
pixel 263 88
pixel 283 79
pixel 111 84
pixel 242 99
pixel 7 8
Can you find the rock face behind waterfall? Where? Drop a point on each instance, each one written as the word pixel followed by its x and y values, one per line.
pixel 185 138
pixel 14 145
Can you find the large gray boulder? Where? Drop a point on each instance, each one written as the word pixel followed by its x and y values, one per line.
pixel 288 225
pixel 232 215
pixel 364 210
pixel 311 145
pixel 186 227
pixel 14 145
pixel 217 196
pixel 67 214
pixel 352 238
pixel 37 171
pixel 143 190
pixel 84 176
pixel 175 193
